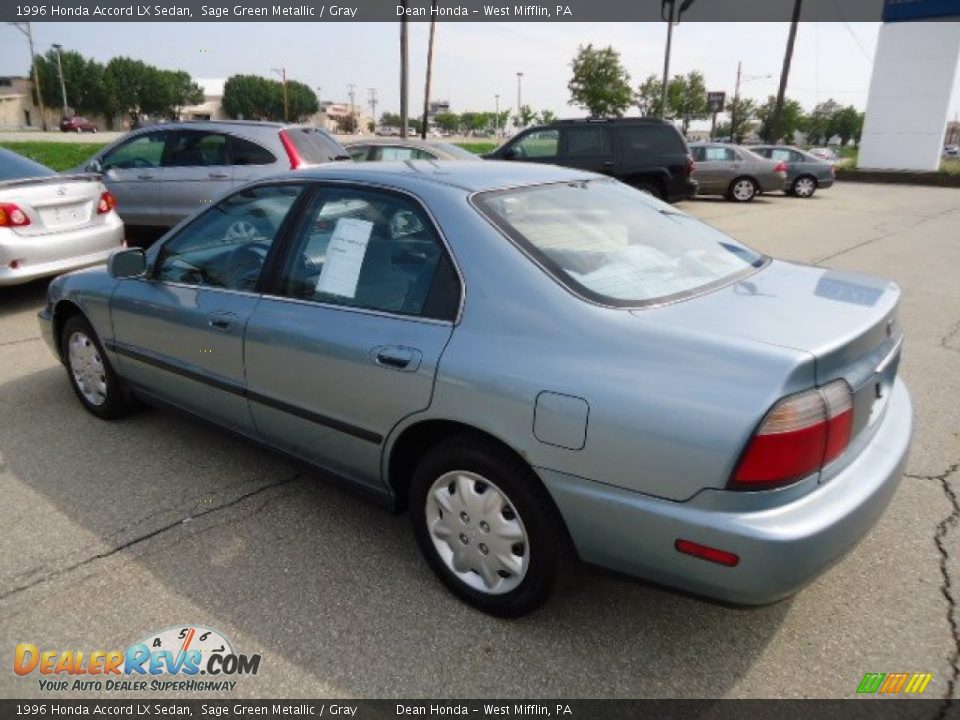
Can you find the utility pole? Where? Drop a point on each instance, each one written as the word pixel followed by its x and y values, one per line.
pixel 403 72
pixel 373 104
pixel 282 72
pixel 736 103
pixel 352 93
pixel 669 5
pixel 426 90
pixel 27 30
pixel 496 118
pixel 519 103
pixel 785 73
pixel 63 87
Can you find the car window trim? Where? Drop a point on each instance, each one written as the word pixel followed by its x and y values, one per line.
pixel 151 274
pixel 271 284
pixel 585 294
pixel 111 149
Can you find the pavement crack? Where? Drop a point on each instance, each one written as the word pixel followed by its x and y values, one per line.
pixel 139 539
pixel 947 586
pixel 20 341
pixel 951 341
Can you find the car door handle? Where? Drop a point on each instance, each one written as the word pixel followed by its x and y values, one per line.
pixel 218 176
pixel 145 176
pixel 221 320
pixel 397 357
pixel 609 163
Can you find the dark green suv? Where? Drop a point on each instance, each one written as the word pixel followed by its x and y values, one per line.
pixel 649 154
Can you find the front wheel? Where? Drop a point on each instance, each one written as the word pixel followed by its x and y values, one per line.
pixel 486 526
pixel 94 381
pixel 742 190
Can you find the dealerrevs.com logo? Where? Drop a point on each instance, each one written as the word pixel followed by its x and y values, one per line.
pixel 186 659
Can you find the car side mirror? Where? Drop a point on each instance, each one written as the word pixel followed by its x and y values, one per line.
pixel 95 166
pixel 128 263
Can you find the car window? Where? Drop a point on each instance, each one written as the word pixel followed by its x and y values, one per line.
pixel 588 141
pixel 797 157
pixel 359 153
pixel 781 154
pixel 762 152
pixel 719 154
pixel 645 140
pixel 699 154
pixel 143 151
pixel 614 245
pixel 537 144
pixel 314 145
pixel 195 148
pixel 17 167
pixel 372 250
pixel 245 152
pixel 226 246
pixel 401 152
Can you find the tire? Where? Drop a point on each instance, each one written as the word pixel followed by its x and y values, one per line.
pixel 79 130
pixel 742 189
pixel 96 384
pixel 804 186
pixel 649 189
pixel 532 538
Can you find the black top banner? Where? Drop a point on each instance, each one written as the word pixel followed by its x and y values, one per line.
pixel 472 10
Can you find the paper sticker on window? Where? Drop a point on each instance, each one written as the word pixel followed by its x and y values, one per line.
pixel 345 253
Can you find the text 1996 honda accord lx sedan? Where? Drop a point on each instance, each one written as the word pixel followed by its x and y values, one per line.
pixel 529 359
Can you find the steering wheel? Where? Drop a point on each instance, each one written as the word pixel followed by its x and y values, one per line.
pixel 244 265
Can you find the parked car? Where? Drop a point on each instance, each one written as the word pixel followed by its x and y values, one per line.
pixel 826 154
pixel 805 172
pixel 50 224
pixel 650 155
pixel 161 174
pixel 951 151
pixel 735 172
pixel 77 124
pixel 721 422
pixel 411 149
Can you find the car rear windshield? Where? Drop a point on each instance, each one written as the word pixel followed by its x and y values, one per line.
pixel 644 140
pixel 614 245
pixel 315 146
pixel 17 167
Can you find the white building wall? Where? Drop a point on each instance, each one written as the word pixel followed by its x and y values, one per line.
pixel 913 76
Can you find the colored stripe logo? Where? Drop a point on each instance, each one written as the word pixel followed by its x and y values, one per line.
pixel 894 683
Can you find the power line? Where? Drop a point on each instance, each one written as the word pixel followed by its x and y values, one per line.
pixel 852 33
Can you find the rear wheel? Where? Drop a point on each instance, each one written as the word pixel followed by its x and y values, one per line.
pixel 94 381
pixel 486 526
pixel 804 186
pixel 742 190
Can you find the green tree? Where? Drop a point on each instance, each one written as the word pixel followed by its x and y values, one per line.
pixel 129 84
pixel 648 97
pixel 83 78
pixel 687 99
pixel 249 97
pixel 600 84
pixel 389 119
pixel 848 124
pixel 526 116
pixel 170 91
pixel 743 112
pixel 820 124
pixel 302 100
pixel 791 120
pixel 447 121
pixel 547 117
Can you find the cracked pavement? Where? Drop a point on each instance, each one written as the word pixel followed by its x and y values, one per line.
pixel 114 530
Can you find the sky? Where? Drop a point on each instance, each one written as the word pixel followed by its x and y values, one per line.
pixel 475 61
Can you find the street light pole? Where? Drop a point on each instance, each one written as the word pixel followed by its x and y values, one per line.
pixel 403 72
pixel 496 118
pixel 27 30
pixel 519 102
pixel 666 58
pixel 282 72
pixel 63 86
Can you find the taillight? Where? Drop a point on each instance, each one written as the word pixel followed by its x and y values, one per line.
pixel 691 165
pixel 799 435
pixel 12 216
pixel 107 203
pixel 780 167
pixel 295 159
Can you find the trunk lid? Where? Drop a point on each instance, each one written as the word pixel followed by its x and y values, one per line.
pixel 56 203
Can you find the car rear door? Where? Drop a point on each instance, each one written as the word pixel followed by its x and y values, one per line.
pixel 178 331
pixel 348 340
pixel 131 171
pixel 588 147
pixel 196 170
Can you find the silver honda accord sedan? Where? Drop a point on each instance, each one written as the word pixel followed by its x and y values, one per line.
pixel 538 363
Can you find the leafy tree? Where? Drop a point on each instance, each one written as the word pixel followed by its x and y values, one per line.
pixel 791 120
pixel 526 116
pixel 129 84
pixel 547 117
pixel 302 100
pixel 820 124
pixel 648 97
pixel 743 112
pixel 600 83
pixel 389 119
pixel 248 97
pixel 171 91
pixel 346 124
pixel 848 124
pixel 82 76
pixel 476 121
pixel 687 98
pixel 447 121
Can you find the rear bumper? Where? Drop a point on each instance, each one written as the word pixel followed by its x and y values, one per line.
pixel 781 546
pixel 45 255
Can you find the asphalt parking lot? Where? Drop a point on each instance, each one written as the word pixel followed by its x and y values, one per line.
pixel 114 530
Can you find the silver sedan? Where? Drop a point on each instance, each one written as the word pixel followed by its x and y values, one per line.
pixel 537 362
pixel 735 172
pixel 51 223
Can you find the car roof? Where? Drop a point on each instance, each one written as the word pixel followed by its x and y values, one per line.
pixel 227 124
pixel 467 175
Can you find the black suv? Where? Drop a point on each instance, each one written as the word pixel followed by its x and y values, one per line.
pixel 646 153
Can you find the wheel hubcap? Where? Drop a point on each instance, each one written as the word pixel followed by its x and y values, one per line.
pixel 87 367
pixel 804 187
pixel 477 532
pixel 743 190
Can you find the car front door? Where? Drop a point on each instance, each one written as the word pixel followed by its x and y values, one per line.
pixel 178 331
pixel 347 342
pixel 588 147
pixel 131 171
pixel 539 145
pixel 196 170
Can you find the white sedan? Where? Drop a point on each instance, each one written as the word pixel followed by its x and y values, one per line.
pixel 52 223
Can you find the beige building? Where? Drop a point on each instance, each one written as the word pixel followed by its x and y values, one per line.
pixel 212 106
pixel 17 110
